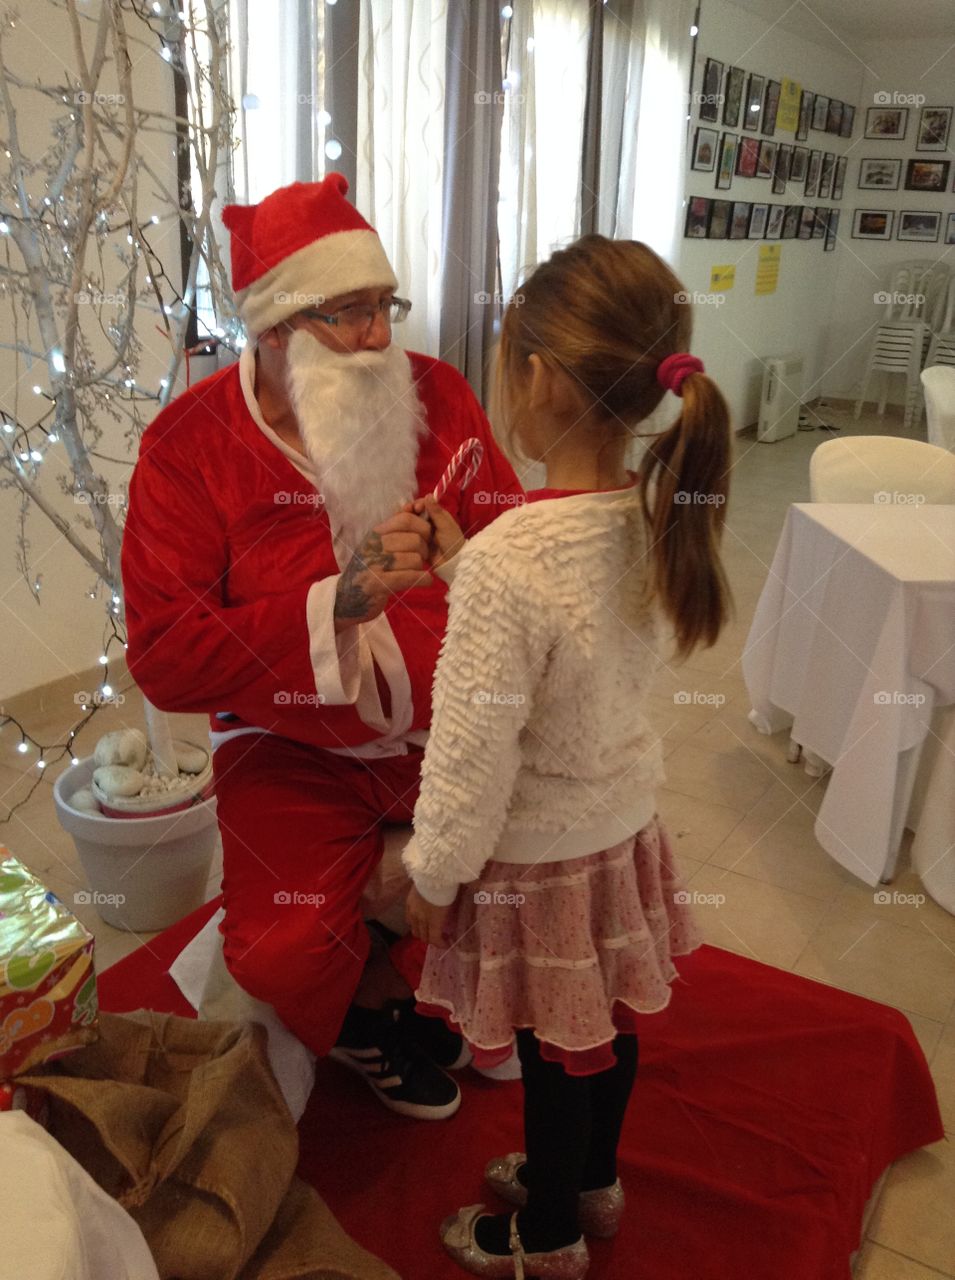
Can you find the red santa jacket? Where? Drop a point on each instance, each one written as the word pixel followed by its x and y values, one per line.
pixel 220 575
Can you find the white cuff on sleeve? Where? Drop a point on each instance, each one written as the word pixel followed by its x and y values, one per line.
pixel 438 892
pixel 336 657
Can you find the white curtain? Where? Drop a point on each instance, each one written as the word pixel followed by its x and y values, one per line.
pixel 400 155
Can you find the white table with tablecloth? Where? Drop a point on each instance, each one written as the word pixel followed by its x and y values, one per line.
pixel 852 648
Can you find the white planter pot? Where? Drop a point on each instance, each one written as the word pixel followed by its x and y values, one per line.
pixel 143 873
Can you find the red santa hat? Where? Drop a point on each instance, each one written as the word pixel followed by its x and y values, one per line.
pixel 302 244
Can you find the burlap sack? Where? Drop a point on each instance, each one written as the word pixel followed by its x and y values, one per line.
pixel 183 1123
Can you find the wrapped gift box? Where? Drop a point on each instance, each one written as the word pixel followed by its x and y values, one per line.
pixel 47 983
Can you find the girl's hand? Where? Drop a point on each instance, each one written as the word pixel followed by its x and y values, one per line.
pixel 427 921
pixel 447 537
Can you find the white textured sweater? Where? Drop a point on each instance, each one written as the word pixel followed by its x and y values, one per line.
pixel 539 748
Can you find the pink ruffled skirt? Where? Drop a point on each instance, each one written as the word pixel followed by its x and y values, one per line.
pixel 574 949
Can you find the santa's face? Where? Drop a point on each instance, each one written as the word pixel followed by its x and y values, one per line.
pixel 360 420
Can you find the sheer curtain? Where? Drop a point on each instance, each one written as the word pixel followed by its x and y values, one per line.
pixel 400 161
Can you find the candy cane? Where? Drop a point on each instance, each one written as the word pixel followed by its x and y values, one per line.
pixel 466 460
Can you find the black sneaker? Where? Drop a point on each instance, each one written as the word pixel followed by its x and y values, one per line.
pixel 447 1049
pixel 373 1043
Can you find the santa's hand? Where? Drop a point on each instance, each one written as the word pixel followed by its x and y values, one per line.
pixel 447 537
pixel 391 559
pixel 426 920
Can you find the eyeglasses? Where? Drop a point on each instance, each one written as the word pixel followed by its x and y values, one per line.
pixel 356 318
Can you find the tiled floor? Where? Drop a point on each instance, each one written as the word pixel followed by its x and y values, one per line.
pixel 742 818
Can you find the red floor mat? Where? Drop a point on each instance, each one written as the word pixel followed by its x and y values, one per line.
pixel 765 1109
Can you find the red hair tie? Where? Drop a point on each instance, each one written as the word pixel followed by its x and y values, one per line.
pixel 673 369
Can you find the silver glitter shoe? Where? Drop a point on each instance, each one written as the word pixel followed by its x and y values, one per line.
pixel 457 1236
pixel 598 1212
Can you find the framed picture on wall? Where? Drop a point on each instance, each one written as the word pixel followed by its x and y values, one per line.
pixel 872 224
pixel 771 107
pixel 832 230
pixel 704 150
pixel 886 122
pixel 918 225
pixel 826 175
pixel 839 178
pixel 733 96
pixel 820 113
pixel 720 214
pixel 927 175
pixel 834 119
pixel 876 174
pixel 799 164
pixel 727 161
pixel 950 229
pixel 812 174
pixel 739 224
pixel 766 160
pixel 805 115
pixel 784 154
pixel 747 157
pixel 774 223
pixel 711 97
pixel 807 217
pixel 821 222
pixel 697 217
pixel 848 123
pixel 934 126
pixel 754 101
pixel 791 222
pixel 757 221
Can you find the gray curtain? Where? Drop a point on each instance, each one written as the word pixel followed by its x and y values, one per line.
pixel 470 303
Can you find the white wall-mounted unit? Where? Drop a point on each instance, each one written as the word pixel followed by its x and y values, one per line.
pixel 781 398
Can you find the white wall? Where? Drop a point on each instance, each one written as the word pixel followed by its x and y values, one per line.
pixel 733 337
pixel 63 634
pixel 905 67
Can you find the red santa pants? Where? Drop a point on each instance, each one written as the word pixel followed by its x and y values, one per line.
pixel 301 834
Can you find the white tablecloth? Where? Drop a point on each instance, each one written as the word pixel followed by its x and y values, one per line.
pixel 853 646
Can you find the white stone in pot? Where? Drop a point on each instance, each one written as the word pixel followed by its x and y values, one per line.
pixel 118 780
pixel 85 801
pixel 122 747
pixel 189 758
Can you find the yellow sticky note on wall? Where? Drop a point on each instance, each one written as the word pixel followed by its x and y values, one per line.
pixel 767 268
pixel 722 278
pixel 787 117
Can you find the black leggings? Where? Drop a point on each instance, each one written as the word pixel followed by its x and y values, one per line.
pixel 571 1130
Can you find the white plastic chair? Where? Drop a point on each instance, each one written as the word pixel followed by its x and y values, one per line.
pixel 938 383
pixel 857 468
pixel 915 305
pixel 942 346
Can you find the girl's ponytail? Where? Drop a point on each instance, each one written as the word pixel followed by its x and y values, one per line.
pixel 686 469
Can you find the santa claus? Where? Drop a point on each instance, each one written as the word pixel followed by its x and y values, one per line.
pixel 276 578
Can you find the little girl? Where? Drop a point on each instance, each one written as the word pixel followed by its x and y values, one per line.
pixel 543 879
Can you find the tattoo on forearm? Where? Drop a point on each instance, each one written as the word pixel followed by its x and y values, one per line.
pixel 352 600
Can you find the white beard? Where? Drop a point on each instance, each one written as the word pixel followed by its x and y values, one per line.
pixel 360 420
